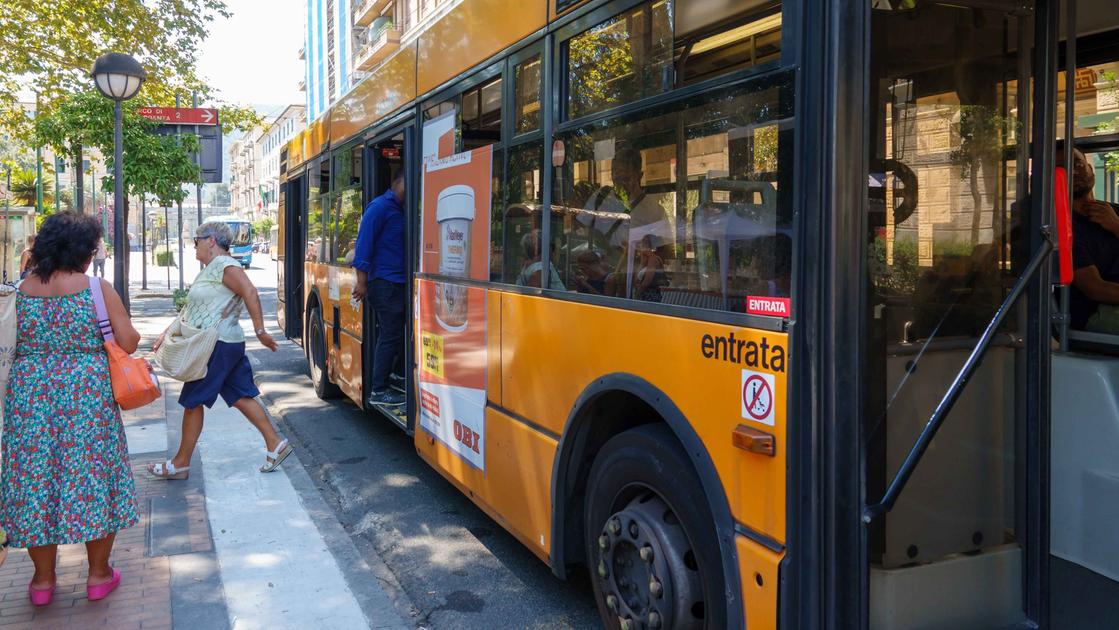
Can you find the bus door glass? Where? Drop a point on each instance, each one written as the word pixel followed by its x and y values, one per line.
pixel 947 233
pixel 291 254
pixel 1084 469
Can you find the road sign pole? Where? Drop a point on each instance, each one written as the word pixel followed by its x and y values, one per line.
pixel 167 243
pixel 144 242
pixel 179 226
pixel 57 194
pixel 197 160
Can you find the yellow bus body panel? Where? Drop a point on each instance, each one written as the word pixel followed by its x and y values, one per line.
pixel 296 154
pixel 551 350
pixel 514 489
pixel 759 600
pixel 472 32
pixel 392 86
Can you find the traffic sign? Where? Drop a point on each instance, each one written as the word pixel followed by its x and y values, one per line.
pixel 757 396
pixel 181 115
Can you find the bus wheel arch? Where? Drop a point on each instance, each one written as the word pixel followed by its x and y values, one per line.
pixel 316 350
pixel 610 406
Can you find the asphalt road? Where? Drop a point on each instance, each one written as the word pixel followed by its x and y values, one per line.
pixel 445 562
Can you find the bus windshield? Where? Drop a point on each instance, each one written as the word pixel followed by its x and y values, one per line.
pixel 242 234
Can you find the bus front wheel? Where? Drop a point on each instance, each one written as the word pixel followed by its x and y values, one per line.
pixel 650 540
pixel 324 389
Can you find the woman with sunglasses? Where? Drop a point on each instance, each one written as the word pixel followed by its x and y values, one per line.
pixel 228 373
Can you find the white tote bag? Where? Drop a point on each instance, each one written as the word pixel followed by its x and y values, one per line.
pixel 8 333
pixel 185 351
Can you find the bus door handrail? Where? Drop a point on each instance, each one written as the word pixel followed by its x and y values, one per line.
pixel 893 491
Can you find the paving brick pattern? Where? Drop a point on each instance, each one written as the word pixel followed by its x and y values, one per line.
pixel 143 600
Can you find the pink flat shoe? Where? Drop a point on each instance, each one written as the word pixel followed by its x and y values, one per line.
pixel 40 596
pixel 101 591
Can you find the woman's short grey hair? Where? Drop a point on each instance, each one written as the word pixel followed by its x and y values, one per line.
pixel 222 233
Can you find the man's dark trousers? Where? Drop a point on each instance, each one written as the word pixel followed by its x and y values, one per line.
pixel 387 299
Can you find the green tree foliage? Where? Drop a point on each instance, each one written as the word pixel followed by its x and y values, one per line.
pixel 49 47
pixel 153 165
pixel 262 228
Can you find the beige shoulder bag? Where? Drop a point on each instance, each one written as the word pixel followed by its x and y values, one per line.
pixel 185 351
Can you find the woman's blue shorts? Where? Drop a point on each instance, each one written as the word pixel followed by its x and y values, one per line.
pixel 228 373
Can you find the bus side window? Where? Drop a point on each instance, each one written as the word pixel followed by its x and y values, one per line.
pixel 707 231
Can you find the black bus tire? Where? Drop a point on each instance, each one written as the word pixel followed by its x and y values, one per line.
pixel 316 354
pixel 650 541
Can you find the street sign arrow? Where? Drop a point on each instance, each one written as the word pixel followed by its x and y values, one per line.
pixel 181 115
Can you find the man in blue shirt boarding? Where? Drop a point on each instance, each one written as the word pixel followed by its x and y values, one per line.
pixel 379 261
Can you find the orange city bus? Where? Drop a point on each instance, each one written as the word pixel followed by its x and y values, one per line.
pixel 744 307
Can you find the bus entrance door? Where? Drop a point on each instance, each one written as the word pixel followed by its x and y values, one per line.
pixel 290 256
pixel 385 158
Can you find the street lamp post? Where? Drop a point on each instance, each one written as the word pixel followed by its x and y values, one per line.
pixel 119 78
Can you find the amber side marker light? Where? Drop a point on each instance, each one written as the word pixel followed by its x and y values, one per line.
pixel 754 441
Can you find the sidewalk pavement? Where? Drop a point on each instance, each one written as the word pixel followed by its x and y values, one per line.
pixel 161 280
pixel 229 548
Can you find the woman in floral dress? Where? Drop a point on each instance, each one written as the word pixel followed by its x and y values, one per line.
pixel 65 475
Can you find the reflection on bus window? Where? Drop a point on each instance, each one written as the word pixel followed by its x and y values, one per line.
pixel 481 115
pixel 663 44
pixel 314 212
pixel 242 234
pixel 346 205
pixel 523 210
pixel 527 96
pixel 703 223
pixel 623 59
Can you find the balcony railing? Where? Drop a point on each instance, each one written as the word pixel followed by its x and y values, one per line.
pixel 376 44
pixel 369 10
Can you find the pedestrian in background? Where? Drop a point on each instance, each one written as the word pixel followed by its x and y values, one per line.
pixel 379 262
pixel 65 477
pixel 25 258
pixel 99 259
pixel 228 372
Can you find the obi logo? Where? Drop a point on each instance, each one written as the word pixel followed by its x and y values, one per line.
pixel 469 438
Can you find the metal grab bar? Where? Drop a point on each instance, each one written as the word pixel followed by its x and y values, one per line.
pixel 966 372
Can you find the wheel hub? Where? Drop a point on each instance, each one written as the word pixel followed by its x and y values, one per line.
pixel 646 568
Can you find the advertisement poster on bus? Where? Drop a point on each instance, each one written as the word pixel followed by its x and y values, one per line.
pixel 452 350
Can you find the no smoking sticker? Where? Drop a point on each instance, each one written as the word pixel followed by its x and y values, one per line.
pixel 757 396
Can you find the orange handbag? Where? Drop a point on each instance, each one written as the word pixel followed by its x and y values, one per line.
pixel 134 381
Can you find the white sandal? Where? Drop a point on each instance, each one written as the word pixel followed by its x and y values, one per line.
pixel 273 459
pixel 167 470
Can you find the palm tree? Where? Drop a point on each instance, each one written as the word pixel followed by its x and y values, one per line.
pixel 23 189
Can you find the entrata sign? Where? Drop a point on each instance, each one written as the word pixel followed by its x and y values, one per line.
pixel 181 115
pixel 773 307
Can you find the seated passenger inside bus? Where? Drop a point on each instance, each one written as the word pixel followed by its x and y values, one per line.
pixel 1094 295
pixel 531 271
pixel 591 273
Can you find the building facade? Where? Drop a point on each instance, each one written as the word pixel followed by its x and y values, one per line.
pixel 245 171
pixel 290 122
pixel 347 39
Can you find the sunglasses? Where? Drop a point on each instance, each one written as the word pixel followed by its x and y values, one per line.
pixel 199 238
